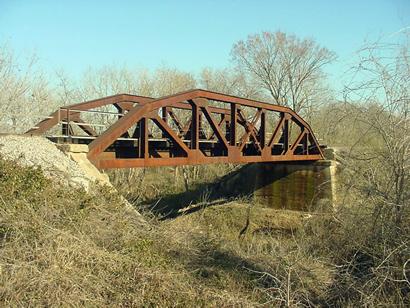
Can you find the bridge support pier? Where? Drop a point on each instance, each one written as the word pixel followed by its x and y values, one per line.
pixel 296 186
pixel 293 186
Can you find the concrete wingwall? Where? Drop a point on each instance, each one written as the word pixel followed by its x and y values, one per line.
pixel 78 153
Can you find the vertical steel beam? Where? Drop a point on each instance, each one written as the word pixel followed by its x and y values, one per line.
pixel 143 138
pixel 285 135
pixel 306 144
pixel 234 120
pixel 164 113
pixel 195 127
pixel 200 129
pixel 227 127
pixel 67 129
pixel 262 129
pixel 64 126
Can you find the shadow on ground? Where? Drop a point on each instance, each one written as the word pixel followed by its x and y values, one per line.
pixel 211 263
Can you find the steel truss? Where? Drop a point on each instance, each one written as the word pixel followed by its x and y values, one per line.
pixel 188 128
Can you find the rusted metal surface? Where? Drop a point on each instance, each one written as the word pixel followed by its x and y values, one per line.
pixel 188 128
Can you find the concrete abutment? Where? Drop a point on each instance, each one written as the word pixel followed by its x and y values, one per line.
pixel 288 185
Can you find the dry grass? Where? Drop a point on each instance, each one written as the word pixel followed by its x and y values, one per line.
pixel 62 247
pixel 69 248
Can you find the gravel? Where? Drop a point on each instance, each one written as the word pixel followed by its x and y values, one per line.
pixel 39 151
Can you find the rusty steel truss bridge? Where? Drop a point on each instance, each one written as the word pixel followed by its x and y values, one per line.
pixel 188 128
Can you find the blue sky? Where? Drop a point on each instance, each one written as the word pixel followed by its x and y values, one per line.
pixel 75 35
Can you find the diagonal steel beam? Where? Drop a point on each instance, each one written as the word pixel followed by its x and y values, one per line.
pixel 297 141
pixel 215 126
pixel 250 128
pixel 164 126
pixel 277 131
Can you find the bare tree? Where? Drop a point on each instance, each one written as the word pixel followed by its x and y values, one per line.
pixel 66 91
pixel 288 68
pixel 24 92
pixel 108 80
pixel 381 84
pixel 374 218
pixel 229 81
pixel 167 81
